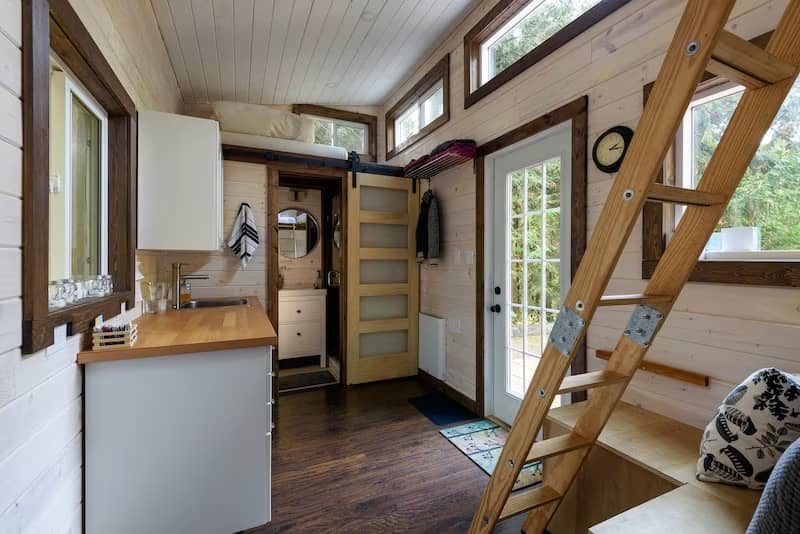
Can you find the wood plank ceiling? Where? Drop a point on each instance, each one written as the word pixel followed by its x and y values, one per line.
pixel 346 52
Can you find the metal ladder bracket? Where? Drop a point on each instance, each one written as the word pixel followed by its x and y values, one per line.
pixel 643 324
pixel 566 330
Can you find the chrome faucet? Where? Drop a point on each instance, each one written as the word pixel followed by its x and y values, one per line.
pixel 177 278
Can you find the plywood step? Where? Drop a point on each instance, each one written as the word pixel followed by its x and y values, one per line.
pixel 557 445
pixel 595 379
pixel 524 501
pixel 745 63
pixel 626 300
pixel 679 195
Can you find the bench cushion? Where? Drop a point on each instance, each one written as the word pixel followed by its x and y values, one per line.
pixel 755 424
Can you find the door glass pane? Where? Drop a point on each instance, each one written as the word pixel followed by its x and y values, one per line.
pixel 553 234
pixel 517 327
pixel 517 191
pixel 517 238
pixel 517 282
pixel 552 284
pixel 534 237
pixel 534 293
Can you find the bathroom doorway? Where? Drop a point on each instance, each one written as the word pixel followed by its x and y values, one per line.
pixel 308 216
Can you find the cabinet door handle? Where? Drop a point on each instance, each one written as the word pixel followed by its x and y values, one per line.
pixel 298 311
pixel 299 334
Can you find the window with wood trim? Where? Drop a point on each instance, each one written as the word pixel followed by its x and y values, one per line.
pixel 757 241
pixel 420 111
pixel 347 129
pixel 97 171
pixel 517 34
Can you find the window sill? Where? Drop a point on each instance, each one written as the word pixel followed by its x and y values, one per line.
pixel 750 272
pixel 756 255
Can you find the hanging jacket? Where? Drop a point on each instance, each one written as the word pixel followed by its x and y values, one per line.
pixel 428 230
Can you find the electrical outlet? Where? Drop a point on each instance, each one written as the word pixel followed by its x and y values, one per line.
pixel 469 257
pixel 454 326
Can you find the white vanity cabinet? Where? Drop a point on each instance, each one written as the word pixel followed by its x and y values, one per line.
pixel 180 183
pixel 301 323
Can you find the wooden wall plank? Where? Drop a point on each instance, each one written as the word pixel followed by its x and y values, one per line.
pixel 10 66
pixel 11 20
pixel 610 63
pixel 11 171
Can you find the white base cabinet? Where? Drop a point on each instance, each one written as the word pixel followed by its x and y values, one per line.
pixel 179 444
pixel 301 323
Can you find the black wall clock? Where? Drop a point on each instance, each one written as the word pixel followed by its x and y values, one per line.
pixel 610 148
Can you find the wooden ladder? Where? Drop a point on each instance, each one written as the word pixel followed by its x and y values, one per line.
pixel 700 43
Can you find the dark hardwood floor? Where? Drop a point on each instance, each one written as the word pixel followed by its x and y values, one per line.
pixel 362 459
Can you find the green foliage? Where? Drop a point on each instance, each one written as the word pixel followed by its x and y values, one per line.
pixel 330 133
pixel 528 246
pixel 769 193
pixel 538 26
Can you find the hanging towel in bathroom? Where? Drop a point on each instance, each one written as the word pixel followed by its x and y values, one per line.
pixel 244 235
pixel 428 230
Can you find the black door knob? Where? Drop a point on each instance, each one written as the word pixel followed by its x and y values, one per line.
pixel 496 308
pixel 496 290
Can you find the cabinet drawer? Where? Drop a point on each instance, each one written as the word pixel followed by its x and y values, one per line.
pixel 291 311
pixel 299 339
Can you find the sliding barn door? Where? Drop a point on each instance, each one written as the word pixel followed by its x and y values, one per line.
pixel 382 279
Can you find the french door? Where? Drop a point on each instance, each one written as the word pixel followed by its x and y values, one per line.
pixel 530 240
pixel 382 279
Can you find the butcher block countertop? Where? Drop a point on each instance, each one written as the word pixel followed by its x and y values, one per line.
pixel 194 330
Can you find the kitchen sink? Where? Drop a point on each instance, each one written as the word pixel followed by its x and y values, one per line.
pixel 214 303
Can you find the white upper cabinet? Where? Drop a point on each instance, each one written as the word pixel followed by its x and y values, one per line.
pixel 180 183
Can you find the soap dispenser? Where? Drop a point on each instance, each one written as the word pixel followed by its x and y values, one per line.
pixel 185 292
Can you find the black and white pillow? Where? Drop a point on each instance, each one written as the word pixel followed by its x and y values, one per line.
pixel 757 421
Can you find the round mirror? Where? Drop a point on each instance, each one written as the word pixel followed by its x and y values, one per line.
pixel 298 233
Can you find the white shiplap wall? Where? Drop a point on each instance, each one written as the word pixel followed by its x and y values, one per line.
pixel 720 330
pixel 40 394
pixel 243 182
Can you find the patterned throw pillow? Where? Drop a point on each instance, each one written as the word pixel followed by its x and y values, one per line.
pixel 757 421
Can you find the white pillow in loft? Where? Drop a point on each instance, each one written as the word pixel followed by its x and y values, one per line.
pixel 255 119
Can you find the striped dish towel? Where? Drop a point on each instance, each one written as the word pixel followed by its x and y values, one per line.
pixel 244 235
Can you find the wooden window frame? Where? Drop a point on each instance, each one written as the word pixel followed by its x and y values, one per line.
pixel 501 13
pixel 54 25
pixel 654 242
pixel 371 121
pixel 578 112
pixel 440 71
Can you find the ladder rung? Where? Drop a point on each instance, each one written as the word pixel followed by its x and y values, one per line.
pixel 625 300
pixel 679 195
pixel 557 445
pixel 594 379
pixel 723 70
pixel 523 501
pixel 737 55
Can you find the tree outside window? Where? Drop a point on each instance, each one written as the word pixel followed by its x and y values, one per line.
pixel 768 197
